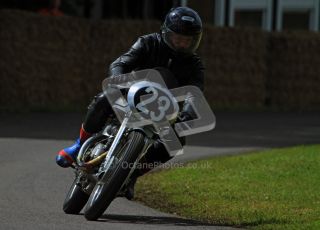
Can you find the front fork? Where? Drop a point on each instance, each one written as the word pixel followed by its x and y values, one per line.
pixel 108 161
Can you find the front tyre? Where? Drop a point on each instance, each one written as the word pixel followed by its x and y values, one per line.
pixel 104 192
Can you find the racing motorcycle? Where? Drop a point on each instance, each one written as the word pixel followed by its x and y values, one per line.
pixel 145 111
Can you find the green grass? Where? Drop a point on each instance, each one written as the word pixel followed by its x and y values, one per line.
pixel 275 189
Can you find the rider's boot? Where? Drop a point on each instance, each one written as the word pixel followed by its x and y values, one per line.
pixel 155 156
pixel 129 193
pixel 67 156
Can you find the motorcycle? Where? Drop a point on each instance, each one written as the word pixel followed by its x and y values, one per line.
pixel 145 111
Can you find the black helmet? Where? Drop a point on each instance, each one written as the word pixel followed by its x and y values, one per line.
pixel 182 30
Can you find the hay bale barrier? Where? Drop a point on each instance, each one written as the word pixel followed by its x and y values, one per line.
pixel 58 63
pixel 235 67
pixel 43 62
pixel 294 71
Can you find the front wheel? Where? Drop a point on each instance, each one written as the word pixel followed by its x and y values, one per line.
pixel 105 191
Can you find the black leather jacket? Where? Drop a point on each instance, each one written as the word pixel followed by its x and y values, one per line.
pixel 150 51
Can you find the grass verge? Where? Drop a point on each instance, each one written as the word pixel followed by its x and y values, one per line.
pixel 274 189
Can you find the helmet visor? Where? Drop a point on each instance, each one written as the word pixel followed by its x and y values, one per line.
pixel 181 43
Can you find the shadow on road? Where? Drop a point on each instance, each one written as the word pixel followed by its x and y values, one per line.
pixel 150 220
pixel 176 221
pixel 233 129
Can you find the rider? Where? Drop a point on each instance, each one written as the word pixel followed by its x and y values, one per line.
pixel 172 53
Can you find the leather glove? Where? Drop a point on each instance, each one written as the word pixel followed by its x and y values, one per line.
pixel 184 116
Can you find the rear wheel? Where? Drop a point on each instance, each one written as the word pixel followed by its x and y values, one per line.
pixel 75 199
pixel 105 191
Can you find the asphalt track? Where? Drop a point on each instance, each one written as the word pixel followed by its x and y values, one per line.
pixel 33 188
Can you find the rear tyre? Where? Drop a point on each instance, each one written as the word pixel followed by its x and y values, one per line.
pixel 75 199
